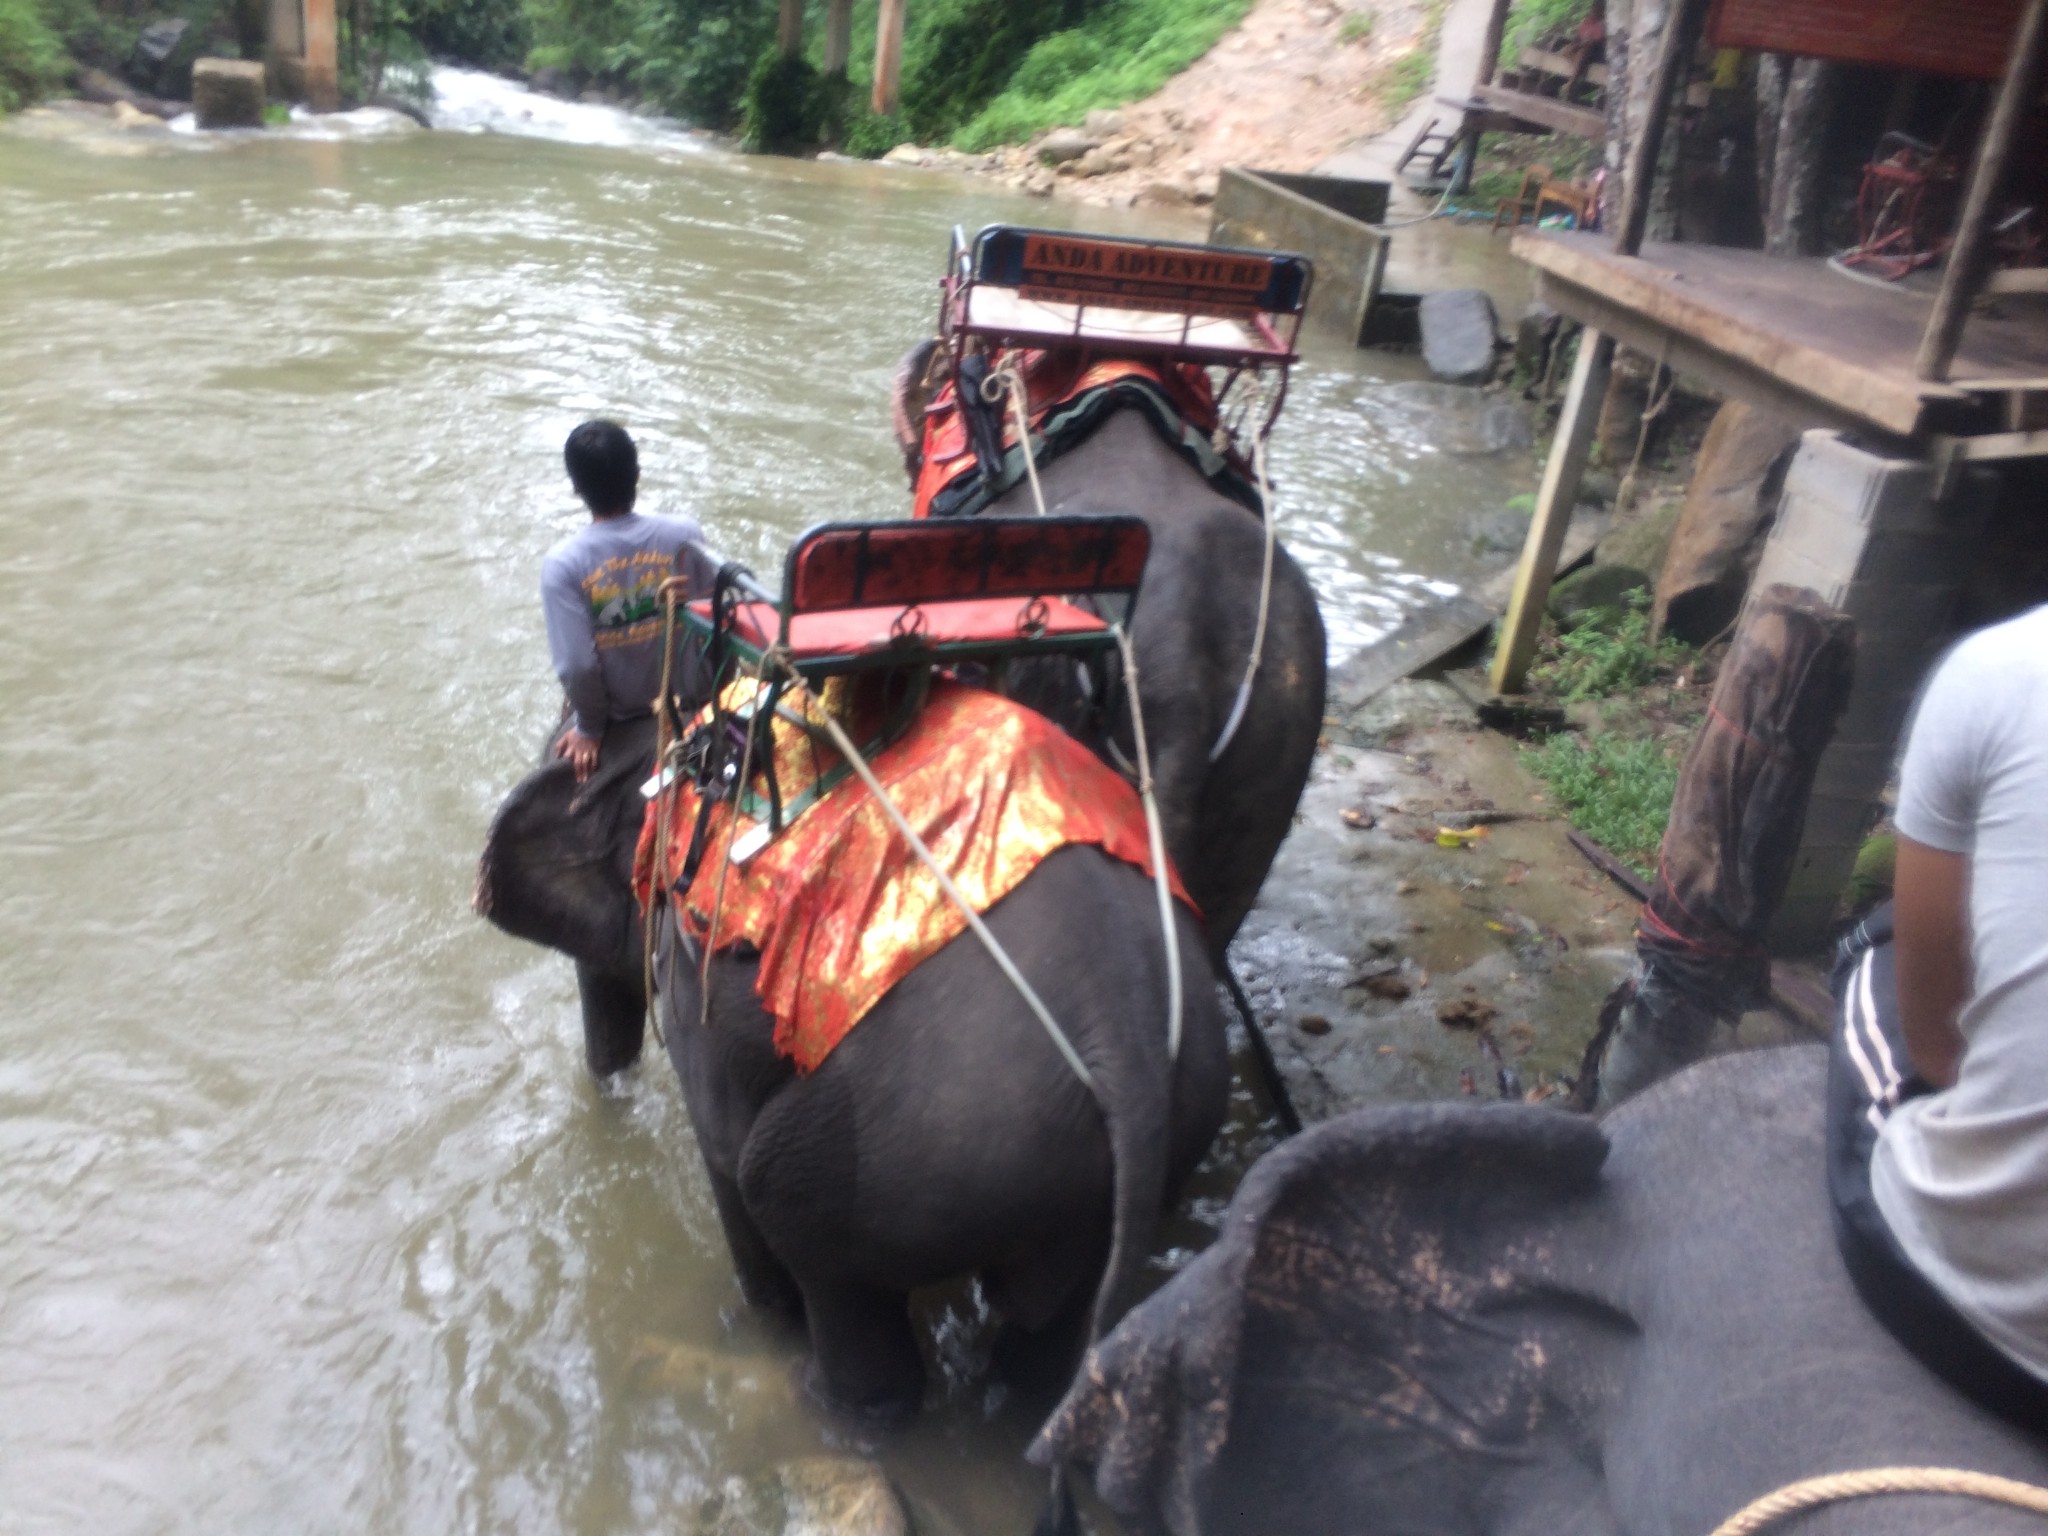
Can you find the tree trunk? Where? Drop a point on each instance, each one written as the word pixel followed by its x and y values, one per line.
pixel 1793 217
pixel 838 35
pixel 789 29
pixel 888 57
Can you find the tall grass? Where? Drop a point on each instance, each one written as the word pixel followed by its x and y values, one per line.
pixel 31 57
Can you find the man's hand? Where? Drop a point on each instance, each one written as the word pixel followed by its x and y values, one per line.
pixel 581 750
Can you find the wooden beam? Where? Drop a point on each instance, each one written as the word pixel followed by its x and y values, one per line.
pixel 1489 46
pixel 2018 280
pixel 1967 257
pixel 888 58
pixel 789 28
pixel 1682 21
pixel 838 35
pixel 1554 502
pixel 1580 122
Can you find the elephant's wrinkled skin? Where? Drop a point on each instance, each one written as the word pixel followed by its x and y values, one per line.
pixel 1196 614
pixel 1458 1318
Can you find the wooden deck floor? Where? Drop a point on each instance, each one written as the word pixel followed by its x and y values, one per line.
pixel 1829 347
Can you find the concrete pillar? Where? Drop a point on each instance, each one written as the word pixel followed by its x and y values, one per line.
pixel 1866 534
pixel 323 74
pixel 284 54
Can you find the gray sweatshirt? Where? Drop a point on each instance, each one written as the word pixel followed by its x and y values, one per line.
pixel 600 590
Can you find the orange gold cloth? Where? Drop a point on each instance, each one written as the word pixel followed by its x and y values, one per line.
pixel 839 905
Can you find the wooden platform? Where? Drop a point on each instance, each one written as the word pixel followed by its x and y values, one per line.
pixel 1821 348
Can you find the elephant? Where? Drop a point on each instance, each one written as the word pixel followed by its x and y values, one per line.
pixel 1504 1319
pixel 946 1136
pixel 1192 635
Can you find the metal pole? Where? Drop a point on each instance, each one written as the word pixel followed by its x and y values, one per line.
pixel 1967 257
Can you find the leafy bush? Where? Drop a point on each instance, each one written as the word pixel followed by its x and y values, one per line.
pixel 966 54
pixel 1603 654
pixel 1357 27
pixel 1125 50
pixel 871 135
pixel 587 39
pixel 31 58
pixel 490 33
pixel 779 113
pixel 1616 790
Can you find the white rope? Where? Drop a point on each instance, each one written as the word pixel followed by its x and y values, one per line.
pixel 1007 378
pixel 1157 837
pixel 1251 671
pixel 851 753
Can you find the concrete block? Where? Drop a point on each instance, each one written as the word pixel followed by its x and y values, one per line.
pixel 227 93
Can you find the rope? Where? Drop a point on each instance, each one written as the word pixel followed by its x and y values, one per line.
pixel 851 753
pixel 666 743
pixel 1812 1492
pixel 1251 671
pixel 1006 378
pixel 1158 842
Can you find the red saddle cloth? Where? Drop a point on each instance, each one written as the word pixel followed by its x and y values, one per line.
pixel 1053 380
pixel 839 906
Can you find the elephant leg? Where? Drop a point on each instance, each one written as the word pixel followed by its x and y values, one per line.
pixel 864 1357
pixel 614 1018
pixel 764 1280
pixel 1039 1355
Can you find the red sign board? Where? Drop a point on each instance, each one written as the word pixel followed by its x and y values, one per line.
pixel 1058 267
pixel 1971 38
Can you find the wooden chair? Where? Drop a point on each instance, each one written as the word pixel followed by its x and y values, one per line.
pixel 1523 204
pixel 1573 198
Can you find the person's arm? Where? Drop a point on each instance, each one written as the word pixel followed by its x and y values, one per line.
pixel 572 642
pixel 1931 937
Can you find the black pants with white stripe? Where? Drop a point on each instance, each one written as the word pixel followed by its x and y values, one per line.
pixel 1869 1076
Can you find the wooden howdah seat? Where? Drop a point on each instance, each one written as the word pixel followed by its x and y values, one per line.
pixel 858 596
pixel 1042 288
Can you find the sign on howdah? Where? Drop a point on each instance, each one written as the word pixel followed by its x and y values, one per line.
pixel 1063 268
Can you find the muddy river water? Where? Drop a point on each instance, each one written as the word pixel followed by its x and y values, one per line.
pixel 310 1219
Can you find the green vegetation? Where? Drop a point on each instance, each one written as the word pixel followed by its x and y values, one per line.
pixel 1531 21
pixel 31 57
pixel 1616 789
pixel 1407 77
pixel 1356 27
pixel 1124 51
pixel 1616 784
pixel 1605 653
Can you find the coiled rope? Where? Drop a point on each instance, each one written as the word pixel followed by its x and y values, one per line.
pixel 1811 1492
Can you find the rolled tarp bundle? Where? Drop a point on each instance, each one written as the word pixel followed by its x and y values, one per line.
pixel 1728 849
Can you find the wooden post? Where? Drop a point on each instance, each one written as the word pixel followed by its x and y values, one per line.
pixel 789 29
pixel 1568 450
pixel 1966 258
pixel 1554 504
pixel 888 57
pixel 838 35
pixel 1489 48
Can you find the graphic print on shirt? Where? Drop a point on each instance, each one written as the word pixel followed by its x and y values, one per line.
pixel 624 594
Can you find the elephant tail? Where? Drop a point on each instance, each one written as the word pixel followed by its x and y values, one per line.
pixel 1138 1114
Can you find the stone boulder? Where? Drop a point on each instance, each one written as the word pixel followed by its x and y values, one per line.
pixel 1064 144
pixel 813 1496
pixel 1106 121
pixel 1644 541
pixel 227 93
pixel 1721 529
pixel 1459 335
pixel 1598 594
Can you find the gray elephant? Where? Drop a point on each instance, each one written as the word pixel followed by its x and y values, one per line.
pixel 944 1136
pixel 1460 1318
pixel 1192 634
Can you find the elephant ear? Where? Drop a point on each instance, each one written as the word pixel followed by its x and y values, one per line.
pixel 1381 1305
pixel 557 866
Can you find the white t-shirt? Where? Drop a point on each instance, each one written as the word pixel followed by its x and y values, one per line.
pixel 1962 1175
